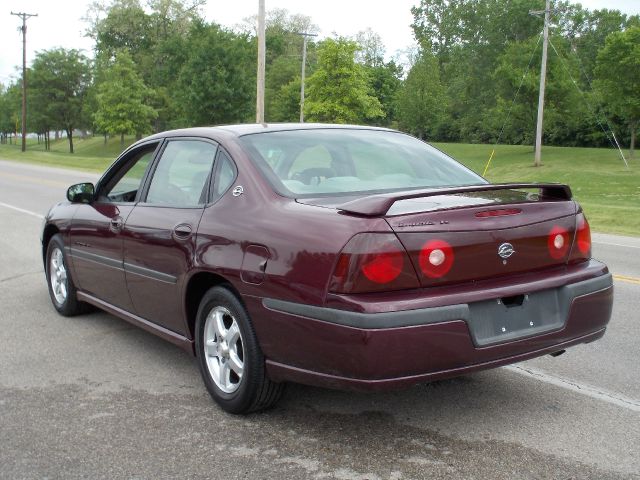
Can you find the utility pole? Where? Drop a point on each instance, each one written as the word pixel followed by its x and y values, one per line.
pixel 543 78
pixel 261 64
pixel 304 64
pixel 23 29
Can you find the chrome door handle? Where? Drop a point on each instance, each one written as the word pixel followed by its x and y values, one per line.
pixel 116 224
pixel 182 231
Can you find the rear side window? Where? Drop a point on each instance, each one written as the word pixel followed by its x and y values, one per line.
pixel 182 175
pixel 225 175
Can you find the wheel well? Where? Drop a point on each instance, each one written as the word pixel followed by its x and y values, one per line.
pixel 198 285
pixel 49 231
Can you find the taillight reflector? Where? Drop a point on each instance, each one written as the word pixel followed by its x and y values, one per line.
pixel 436 258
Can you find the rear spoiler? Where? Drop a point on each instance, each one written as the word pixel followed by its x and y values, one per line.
pixel 379 204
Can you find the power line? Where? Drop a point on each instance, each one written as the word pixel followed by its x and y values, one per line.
pixel 23 29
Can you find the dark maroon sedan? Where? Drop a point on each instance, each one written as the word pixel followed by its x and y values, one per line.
pixel 346 257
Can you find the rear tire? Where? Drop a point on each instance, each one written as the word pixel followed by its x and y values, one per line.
pixel 62 291
pixel 229 357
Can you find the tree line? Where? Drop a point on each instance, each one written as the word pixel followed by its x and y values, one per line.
pixel 473 76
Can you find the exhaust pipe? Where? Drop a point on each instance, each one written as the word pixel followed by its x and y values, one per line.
pixel 557 354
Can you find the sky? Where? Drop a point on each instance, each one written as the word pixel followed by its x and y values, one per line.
pixel 59 24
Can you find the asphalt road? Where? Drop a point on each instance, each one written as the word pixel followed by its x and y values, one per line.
pixel 93 397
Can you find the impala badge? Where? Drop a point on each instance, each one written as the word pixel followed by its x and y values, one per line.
pixel 506 250
pixel 237 191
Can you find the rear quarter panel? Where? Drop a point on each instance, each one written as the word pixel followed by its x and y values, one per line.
pixel 302 241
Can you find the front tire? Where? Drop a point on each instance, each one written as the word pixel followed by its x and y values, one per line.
pixel 229 357
pixel 61 288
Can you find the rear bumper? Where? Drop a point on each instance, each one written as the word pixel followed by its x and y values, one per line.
pixel 376 351
pixel 286 373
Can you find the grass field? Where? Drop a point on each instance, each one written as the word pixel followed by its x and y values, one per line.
pixel 607 190
pixel 91 154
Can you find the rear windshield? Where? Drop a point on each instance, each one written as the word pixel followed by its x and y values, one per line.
pixel 334 162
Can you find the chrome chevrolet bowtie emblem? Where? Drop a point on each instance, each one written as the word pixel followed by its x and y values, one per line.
pixel 506 250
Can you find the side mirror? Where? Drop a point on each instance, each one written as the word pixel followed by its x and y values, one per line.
pixel 81 193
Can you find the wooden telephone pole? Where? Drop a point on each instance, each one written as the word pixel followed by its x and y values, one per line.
pixel 304 64
pixel 23 29
pixel 543 78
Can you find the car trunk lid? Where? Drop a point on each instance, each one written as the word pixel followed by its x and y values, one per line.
pixel 464 234
pixel 483 234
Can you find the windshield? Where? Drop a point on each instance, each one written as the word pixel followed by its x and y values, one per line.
pixel 333 162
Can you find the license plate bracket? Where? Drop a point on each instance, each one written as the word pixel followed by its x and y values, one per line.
pixel 507 319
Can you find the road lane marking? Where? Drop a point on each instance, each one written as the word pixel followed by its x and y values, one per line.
pixel 36 180
pixel 576 387
pixel 624 278
pixel 21 210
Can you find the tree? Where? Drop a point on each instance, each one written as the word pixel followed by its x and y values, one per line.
pixel 60 79
pixel 155 35
pixel 339 91
pixel 467 37
pixel 587 31
pixel 618 78
pixel 285 104
pixel 384 78
pixel 422 99
pixel 371 48
pixel 283 61
pixel 566 118
pixel 217 81
pixel 10 110
pixel 121 25
pixel 122 100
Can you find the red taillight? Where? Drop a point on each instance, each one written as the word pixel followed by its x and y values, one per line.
pixel 558 242
pixel 383 267
pixel 582 246
pixel 436 258
pixel 584 236
pixel 373 262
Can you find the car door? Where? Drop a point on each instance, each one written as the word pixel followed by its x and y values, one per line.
pixel 95 235
pixel 159 233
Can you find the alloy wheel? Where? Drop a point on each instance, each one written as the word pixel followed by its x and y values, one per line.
pixel 58 276
pixel 223 349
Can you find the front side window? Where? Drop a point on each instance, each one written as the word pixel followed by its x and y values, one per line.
pixel 124 185
pixel 181 177
pixel 333 162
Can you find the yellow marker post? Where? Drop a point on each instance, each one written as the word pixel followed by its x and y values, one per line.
pixel 488 163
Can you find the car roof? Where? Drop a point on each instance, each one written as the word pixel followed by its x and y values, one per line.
pixel 252 128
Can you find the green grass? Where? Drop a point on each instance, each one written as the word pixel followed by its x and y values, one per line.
pixel 606 189
pixel 91 154
pixel 608 192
